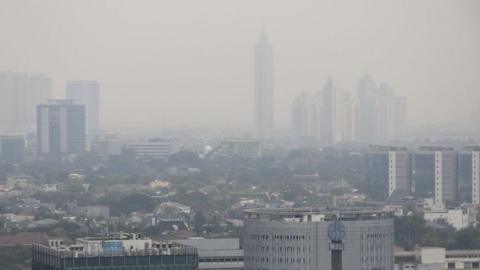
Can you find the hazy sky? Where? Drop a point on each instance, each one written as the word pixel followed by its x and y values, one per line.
pixel 190 63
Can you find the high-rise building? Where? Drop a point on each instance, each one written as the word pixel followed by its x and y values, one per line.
pixel 299 238
pixel 399 124
pixel 329 113
pixel 346 117
pixel 20 93
pixel 86 93
pixel 388 172
pixel 327 116
pixel 469 175
pixel 381 116
pixel 12 148
pixel 125 251
pixel 60 128
pixel 263 88
pixel 366 110
pixel 475 119
pixel 384 112
pixel 435 174
pixel 306 116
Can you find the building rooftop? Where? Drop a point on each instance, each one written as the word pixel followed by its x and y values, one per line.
pixel 120 244
pixel 319 214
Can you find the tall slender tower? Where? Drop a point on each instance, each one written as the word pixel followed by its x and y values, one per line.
pixel 263 88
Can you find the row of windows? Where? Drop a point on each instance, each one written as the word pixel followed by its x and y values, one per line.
pixel 287 249
pixel 277 237
pixel 279 260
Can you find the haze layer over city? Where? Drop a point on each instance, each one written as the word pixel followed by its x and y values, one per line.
pixel 239 135
pixel 189 64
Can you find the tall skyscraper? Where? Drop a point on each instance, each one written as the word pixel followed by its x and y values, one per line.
pixel 20 93
pixel 381 116
pixel 475 119
pixel 60 128
pixel 86 93
pixel 306 116
pixel 399 116
pixel 263 88
pixel 329 113
pixel 366 109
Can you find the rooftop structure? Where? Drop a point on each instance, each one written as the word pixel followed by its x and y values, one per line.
pixel 116 252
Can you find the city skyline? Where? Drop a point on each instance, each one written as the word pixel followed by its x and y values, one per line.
pixel 166 68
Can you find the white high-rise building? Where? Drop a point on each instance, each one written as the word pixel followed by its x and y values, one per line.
pixel 20 93
pixel 366 109
pixel 306 116
pixel 381 116
pixel 263 88
pixel 86 93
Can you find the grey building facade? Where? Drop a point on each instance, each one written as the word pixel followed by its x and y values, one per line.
pixel 435 173
pixel 389 172
pixel 297 239
pixel 12 148
pixel 60 128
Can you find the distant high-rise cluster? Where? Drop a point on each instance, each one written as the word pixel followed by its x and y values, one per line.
pixel 20 93
pixel 326 116
pixel 263 88
pixel 381 116
pixel 333 115
pixel 88 94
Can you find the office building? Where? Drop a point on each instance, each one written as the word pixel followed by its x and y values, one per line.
pixel 435 174
pixel 399 124
pixel 381 116
pixel 60 128
pixel 299 239
pixel 306 116
pixel 469 175
pixel 366 124
pixel 216 253
pixel 327 116
pixel 86 93
pixel 475 120
pixel 151 150
pixel 123 251
pixel 12 148
pixel 263 88
pixel 388 172
pixel 20 93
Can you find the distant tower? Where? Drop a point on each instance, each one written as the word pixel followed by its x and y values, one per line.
pixel 86 93
pixel 263 88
